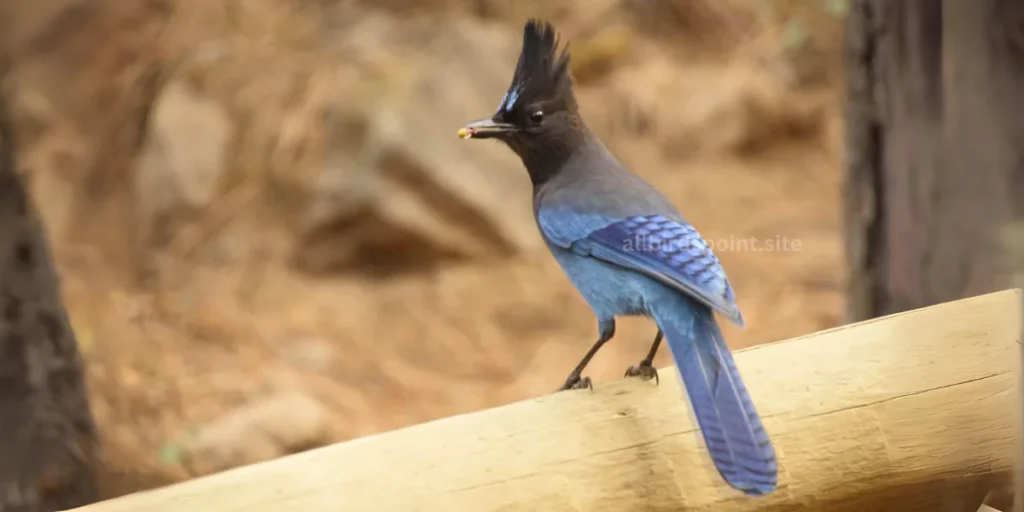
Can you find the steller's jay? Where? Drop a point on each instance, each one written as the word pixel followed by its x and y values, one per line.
pixel 629 252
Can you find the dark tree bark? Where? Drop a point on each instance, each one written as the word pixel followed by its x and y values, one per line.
pixel 935 150
pixel 47 434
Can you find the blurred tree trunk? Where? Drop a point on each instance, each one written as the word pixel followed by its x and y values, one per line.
pixel 935 150
pixel 47 434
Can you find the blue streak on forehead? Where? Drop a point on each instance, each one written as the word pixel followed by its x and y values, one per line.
pixel 509 100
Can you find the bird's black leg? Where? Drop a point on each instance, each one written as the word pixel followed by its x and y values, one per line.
pixel 646 369
pixel 607 330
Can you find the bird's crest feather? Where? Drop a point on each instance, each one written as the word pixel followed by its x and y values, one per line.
pixel 542 72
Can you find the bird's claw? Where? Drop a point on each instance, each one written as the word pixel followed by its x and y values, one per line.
pixel 576 382
pixel 645 371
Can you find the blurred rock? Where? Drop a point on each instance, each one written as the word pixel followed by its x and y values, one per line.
pixel 801 66
pixel 19 20
pixel 184 156
pixel 351 142
pixel 264 430
pixel 311 354
pixel 711 109
pixel 714 24
pixel 596 56
pixel 411 192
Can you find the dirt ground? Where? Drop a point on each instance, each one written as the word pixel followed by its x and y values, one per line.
pixel 379 353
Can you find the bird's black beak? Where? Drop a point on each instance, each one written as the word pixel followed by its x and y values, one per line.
pixel 485 129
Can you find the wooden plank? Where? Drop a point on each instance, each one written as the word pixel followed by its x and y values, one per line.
pixel 1018 480
pixel 902 413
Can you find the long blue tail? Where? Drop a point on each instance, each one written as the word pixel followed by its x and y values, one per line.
pixel 732 430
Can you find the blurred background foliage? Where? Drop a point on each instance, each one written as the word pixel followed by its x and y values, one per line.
pixel 271 239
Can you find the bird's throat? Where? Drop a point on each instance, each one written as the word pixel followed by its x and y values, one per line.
pixel 546 157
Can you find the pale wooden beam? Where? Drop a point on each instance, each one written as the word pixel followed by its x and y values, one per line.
pixel 907 413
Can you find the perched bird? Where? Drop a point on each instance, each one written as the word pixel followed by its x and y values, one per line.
pixel 629 252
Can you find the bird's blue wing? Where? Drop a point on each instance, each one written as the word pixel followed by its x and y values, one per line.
pixel 666 249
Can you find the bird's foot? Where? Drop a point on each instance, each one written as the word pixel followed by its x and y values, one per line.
pixel 645 370
pixel 577 382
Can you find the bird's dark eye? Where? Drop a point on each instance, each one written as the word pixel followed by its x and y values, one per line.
pixel 537 117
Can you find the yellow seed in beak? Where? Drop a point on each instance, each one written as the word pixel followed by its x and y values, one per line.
pixel 464 133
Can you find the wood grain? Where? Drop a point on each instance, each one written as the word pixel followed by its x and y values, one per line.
pixel 912 412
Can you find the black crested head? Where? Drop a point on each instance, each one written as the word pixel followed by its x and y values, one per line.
pixel 538 117
pixel 542 73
